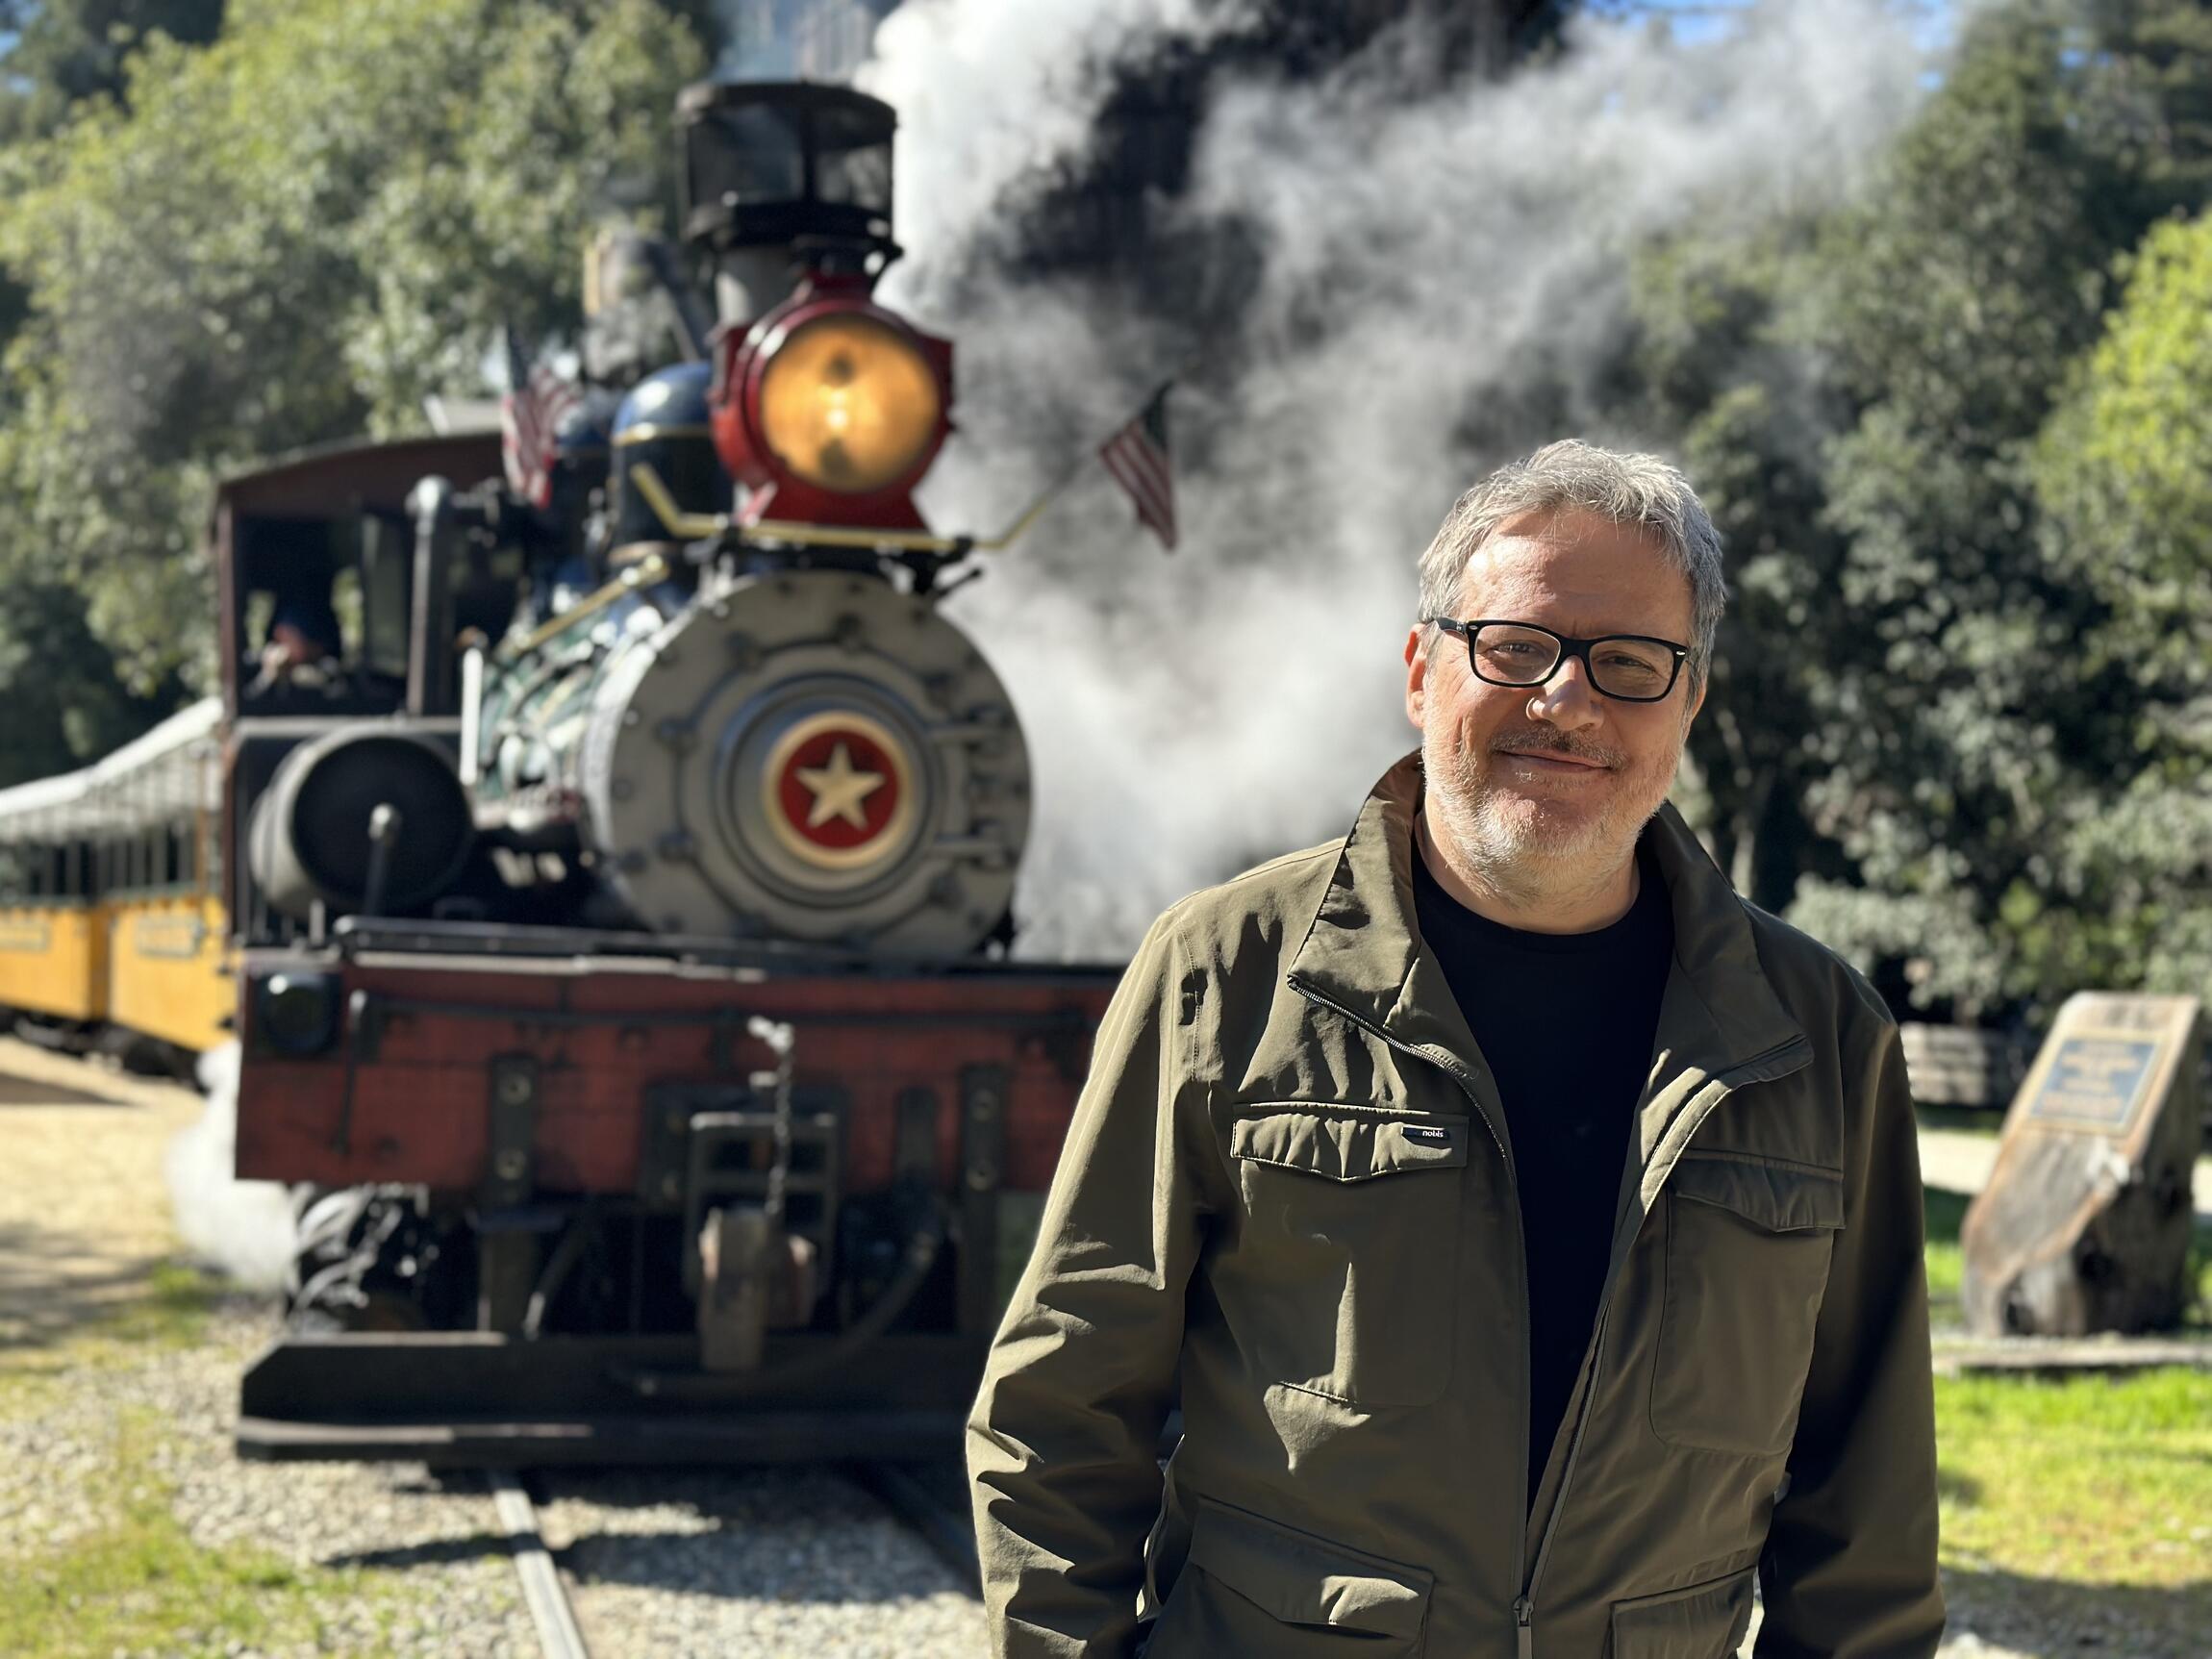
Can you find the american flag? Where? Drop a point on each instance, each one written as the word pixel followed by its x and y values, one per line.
pixel 1138 458
pixel 529 414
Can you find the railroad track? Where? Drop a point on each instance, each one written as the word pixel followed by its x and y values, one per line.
pixel 929 1500
pixel 544 1591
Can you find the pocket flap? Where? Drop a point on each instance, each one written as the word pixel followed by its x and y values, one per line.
pixel 1781 1199
pixel 1348 1144
pixel 1299 1579
pixel 1704 1622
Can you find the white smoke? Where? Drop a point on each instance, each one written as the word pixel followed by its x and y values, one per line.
pixel 994 95
pixel 1426 254
pixel 244 1228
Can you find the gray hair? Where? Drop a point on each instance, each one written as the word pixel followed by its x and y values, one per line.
pixel 1634 490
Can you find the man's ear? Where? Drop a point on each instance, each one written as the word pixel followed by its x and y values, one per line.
pixel 1417 667
pixel 1696 701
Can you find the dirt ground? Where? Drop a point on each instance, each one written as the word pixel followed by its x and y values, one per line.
pixel 84 1205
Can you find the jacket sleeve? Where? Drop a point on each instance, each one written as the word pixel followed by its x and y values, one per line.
pixel 1063 1444
pixel 1850 1567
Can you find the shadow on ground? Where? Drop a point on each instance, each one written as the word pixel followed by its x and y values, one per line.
pixel 2045 1618
pixel 31 1091
pixel 718 1517
pixel 51 1292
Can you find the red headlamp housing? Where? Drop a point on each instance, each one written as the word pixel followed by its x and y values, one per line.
pixel 830 409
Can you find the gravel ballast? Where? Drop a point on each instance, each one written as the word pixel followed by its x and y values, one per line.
pixel 735 1564
pixel 731 1563
pixel 664 1563
pixel 797 1561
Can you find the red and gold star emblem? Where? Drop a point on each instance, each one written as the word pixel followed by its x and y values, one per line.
pixel 841 790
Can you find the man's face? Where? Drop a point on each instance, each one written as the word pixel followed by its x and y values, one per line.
pixel 1543 789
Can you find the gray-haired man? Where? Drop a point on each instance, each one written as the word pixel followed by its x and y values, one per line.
pixel 1528 1226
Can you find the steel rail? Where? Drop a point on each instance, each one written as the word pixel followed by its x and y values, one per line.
pixel 946 1527
pixel 559 1635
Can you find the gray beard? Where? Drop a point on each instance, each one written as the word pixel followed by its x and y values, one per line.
pixel 1526 864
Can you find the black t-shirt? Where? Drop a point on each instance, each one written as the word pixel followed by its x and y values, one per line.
pixel 1566 1021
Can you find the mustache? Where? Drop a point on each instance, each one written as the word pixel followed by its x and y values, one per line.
pixel 1558 744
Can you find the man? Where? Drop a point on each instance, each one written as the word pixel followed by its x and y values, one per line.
pixel 1527 1226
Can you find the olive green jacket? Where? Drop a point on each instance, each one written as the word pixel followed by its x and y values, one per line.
pixel 1286 1204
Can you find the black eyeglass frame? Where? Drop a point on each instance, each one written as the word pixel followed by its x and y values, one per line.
pixel 1567 647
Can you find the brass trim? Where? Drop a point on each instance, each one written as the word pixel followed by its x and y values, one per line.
pixel 650 433
pixel 647 571
pixel 705 526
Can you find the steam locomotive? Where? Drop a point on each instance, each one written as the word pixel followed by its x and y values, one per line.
pixel 622 885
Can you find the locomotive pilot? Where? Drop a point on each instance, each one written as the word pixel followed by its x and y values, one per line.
pixel 1527 1226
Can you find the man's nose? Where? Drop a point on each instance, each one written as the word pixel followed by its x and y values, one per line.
pixel 1566 700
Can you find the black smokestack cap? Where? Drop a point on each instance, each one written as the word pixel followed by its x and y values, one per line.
pixel 772 164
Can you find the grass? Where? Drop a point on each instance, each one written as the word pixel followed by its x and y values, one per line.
pixel 2083 1503
pixel 137 1583
pixel 168 1316
pixel 1945 1213
pixel 134 1581
pixel 2104 1479
pixel 2080 1509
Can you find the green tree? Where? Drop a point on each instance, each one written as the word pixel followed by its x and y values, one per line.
pixel 66 704
pixel 1918 715
pixel 66 51
pixel 2124 470
pixel 285 237
pixel 1954 297
pixel 1750 413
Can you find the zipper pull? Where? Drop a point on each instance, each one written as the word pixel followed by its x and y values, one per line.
pixel 1524 1627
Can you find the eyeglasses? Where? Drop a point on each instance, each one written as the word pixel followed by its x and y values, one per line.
pixel 1629 668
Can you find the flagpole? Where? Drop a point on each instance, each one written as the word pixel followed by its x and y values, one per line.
pixel 699 526
pixel 1074 471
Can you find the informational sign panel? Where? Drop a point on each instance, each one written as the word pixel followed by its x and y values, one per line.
pixel 2094 1083
pixel 2084 1225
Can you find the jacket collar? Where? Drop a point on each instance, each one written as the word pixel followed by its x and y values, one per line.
pixel 1719 1014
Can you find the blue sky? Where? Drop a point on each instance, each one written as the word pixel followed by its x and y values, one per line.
pixel 1695 21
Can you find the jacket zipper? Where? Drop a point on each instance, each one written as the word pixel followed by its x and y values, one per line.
pixel 1523 1610
pixel 1735 1077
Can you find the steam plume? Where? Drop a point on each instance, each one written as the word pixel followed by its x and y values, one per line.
pixel 243 1227
pixel 996 95
pixel 1440 275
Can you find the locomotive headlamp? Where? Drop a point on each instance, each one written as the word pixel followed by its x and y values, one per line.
pixel 849 404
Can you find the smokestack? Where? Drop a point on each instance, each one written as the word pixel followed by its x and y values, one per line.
pixel 780 176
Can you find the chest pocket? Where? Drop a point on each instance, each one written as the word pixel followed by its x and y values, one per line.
pixel 1344 1283
pixel 1747 1250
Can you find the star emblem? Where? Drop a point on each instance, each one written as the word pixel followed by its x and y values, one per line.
pixel 840 792
pixel 838 789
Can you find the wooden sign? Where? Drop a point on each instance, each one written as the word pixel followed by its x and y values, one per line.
pixel 2084 1225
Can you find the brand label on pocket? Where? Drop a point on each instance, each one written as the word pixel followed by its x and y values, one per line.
pixel 1422 1137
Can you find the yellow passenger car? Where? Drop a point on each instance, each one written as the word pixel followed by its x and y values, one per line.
pixel 112 925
